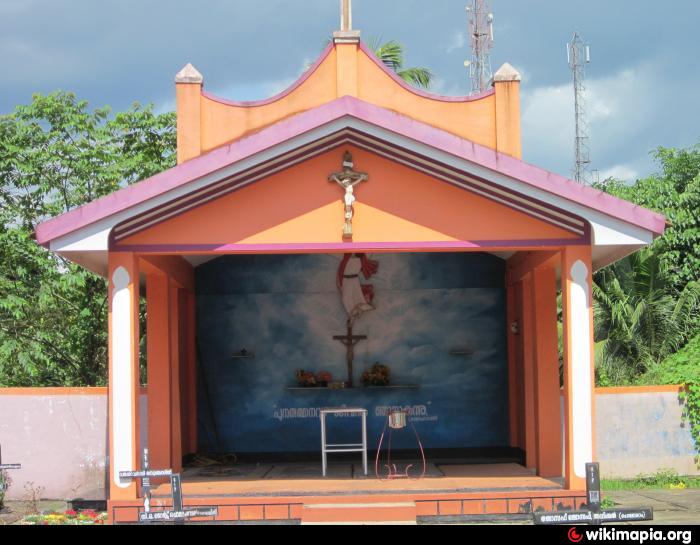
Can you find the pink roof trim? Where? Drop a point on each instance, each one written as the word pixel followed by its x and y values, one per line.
pixel 351 107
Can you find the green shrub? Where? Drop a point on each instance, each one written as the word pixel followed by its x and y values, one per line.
pixel 4 484
pixel 683 367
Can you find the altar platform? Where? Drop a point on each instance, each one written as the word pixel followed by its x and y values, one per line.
pixel 297 494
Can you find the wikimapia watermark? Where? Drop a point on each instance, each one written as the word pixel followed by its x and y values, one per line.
pixel 634 536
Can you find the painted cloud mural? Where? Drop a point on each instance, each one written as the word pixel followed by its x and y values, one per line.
pixel 286 310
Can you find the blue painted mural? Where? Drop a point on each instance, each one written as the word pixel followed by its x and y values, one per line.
pixel 286 310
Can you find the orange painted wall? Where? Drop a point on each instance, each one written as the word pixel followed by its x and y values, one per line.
pixel 299 205
pixel 205 123
pixel 474 120
pixel 547 391
pixel 222 123
pixel 528 333
pixel 159 383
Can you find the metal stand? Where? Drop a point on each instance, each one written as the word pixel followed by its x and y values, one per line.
pixel 326 448
pixel 397 420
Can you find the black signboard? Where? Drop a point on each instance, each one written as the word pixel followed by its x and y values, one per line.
pixel 4 485
pixel 591 517
pixel 594 515
pixel 177 515
pixel 145 474
pixel 176 487
pixel 4 467
pixel 593 486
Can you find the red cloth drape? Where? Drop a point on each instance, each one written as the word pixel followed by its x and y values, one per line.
pixel 369 269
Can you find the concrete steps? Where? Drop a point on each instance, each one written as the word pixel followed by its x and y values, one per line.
pixel 403 513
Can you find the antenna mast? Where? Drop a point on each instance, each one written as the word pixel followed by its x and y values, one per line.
pixel 481 37
pixel 579 55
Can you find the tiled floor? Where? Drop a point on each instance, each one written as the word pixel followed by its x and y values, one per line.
pixel 306 478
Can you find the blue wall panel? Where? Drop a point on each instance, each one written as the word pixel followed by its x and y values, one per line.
pixel 286 309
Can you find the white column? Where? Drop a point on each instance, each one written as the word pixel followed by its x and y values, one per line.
pixel 579 372
pixel 123 373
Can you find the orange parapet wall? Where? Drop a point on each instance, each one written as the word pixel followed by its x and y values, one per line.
pixel 206 122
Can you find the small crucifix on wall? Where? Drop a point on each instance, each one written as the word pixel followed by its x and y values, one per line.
pixel 348 179
pixel 349 341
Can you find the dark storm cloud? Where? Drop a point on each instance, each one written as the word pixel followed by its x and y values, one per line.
pixel 119 51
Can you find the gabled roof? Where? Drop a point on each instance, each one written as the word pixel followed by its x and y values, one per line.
pixel 614 222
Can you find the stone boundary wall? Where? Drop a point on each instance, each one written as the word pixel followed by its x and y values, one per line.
pixel 640 430
pixel 59 435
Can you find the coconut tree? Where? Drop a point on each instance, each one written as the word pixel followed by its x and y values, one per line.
pixel 391 53
pixel 640 318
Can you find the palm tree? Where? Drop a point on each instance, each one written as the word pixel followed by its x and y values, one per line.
pixel 391 53
pixel 640 318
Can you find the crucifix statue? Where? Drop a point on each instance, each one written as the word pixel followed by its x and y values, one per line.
pixel 357 299
pixel 348 179
pixel 349 341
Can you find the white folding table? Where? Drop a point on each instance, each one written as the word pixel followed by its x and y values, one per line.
pixel 326 448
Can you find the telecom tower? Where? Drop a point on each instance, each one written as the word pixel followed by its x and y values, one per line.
pixel 579 55
pixel 481 37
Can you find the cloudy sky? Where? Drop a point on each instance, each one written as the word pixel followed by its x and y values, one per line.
pixel 642 84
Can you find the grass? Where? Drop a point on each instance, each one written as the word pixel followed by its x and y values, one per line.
pixel 665 479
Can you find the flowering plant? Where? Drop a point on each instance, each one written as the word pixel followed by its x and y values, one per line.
pixel 324 377
pixel 306 379
pixel 67 518
pixel 378 375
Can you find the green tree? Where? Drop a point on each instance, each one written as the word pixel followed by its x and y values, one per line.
pixel 640 317
pixel 674 192
pixel 56 154
pixel 391 53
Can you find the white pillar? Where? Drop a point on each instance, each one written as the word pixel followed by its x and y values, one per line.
pixel 579 370
pixel 124 380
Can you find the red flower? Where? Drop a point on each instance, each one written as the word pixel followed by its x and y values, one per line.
pixel 324 376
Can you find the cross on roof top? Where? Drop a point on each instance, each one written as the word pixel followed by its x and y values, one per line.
pixel 346 35
pixel 345 15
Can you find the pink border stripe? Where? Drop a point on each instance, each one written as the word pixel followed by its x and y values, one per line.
pixel 255 103
pixel 307 121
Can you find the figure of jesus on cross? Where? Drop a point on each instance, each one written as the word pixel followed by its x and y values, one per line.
pixel 348 179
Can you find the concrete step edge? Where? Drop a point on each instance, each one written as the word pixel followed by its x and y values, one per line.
pixel 364 523
pixel 407 505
